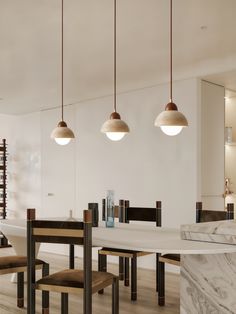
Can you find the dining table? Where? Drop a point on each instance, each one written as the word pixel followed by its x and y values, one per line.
pixel 137 236
pixel 140 237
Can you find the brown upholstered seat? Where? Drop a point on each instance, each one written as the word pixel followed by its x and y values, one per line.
pixel 74 278
pixel 9 262
pixel 18 264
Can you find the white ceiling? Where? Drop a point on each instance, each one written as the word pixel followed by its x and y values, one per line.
pixel 204 45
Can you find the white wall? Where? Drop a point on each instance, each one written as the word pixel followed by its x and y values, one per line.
pixel 26 164
pixel 58 167
pixel 144 167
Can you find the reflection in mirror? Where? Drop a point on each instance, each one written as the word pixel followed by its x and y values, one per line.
pixel 230 146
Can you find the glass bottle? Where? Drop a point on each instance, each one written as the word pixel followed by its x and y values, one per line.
pixel 110 209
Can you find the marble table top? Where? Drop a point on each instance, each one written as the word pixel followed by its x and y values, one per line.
pixel 223 231
pixel 142 237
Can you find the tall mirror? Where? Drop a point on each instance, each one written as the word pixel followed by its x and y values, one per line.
pixel 230 146
pixel 218 140
pixel 212 144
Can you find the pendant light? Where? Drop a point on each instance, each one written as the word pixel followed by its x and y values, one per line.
pixel 62 134
pixel 115 128
pixel 171 121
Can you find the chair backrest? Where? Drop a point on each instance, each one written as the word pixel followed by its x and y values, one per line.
pixel 95 214
pixel 66 232
pixel 116 210
pixel 125 213
pixel 214 215
pixel 128 213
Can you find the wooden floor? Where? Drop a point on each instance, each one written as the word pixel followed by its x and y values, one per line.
pixel 146 303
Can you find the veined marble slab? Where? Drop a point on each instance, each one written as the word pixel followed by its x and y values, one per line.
pixel 208 284
pixel 223 231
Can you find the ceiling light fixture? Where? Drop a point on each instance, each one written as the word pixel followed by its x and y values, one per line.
pixel 171 121
pixel 62 134
pixel 115 128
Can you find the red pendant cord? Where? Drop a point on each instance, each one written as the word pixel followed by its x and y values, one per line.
pixel 114 56
pixel 171 61
pixel 62 60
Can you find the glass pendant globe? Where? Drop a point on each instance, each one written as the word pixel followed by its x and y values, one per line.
pixel 115 136
pixel 62 134
pixel 62 141
pixel 171 130
pixel 115 128
pixel 171 121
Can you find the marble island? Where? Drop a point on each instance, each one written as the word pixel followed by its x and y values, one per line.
pixel 208 281
pixel 223 231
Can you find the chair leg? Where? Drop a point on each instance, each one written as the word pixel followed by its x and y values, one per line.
pixel 161 284
pixel 45 294
pixel 102 262
pixel 102 266
pixel 134 278
pixel 72 257
pixel 20 289
pixel 115 296
pixel 157 270
pixel 64 303
pixel 126 271
pixel 121 268
pixel 30 266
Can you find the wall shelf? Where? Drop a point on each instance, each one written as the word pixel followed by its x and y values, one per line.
pixel 3 188
pixel 230 144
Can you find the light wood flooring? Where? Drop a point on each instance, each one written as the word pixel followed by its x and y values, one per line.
pixel 146 303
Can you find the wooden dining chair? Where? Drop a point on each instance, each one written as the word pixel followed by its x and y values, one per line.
pixel 67 281
pixel 18 264
pixel 174 259
pixel 127 214
pixel 214 215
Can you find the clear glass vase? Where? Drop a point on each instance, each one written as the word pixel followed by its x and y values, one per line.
pixel 110 219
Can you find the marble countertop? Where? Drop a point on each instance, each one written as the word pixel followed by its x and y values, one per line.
pixel 154 239
pixel 223 231
pixel 141 237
